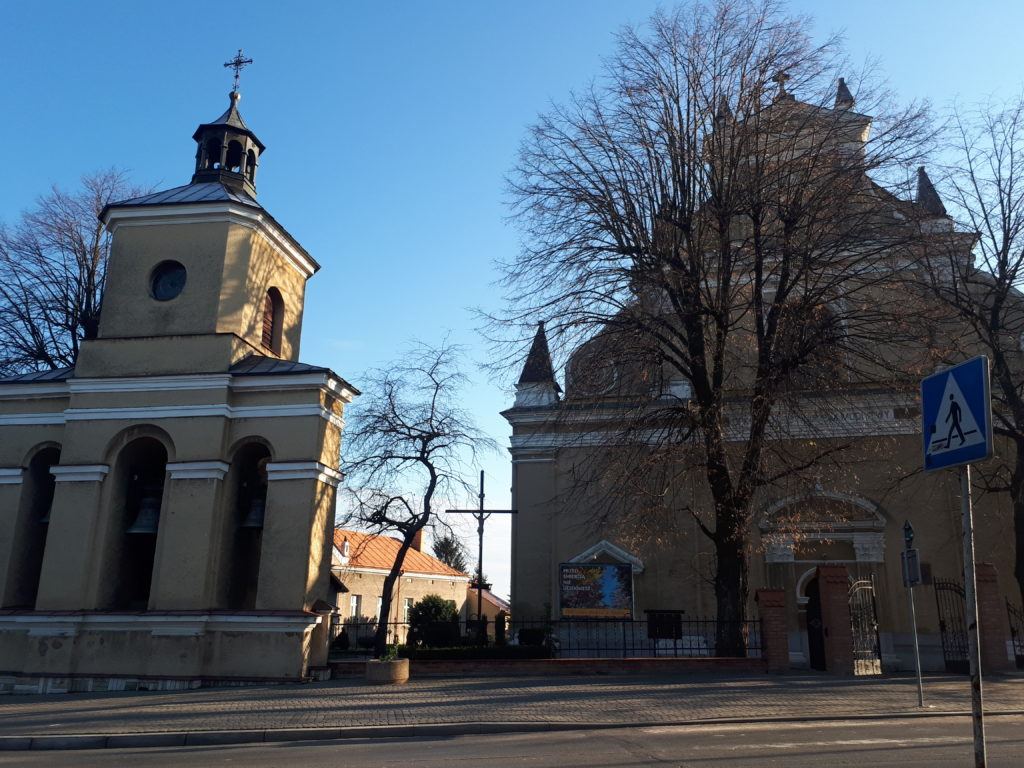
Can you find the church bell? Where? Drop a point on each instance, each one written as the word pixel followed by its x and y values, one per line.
pixel 149 511
pixel 254 517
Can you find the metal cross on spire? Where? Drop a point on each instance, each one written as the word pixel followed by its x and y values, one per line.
pixel 238 64
pixel 781 78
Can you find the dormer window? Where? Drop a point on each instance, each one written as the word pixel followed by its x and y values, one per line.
pixel 345 548
pixel 273 321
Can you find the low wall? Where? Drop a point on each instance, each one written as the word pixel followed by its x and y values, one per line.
pixel 561 667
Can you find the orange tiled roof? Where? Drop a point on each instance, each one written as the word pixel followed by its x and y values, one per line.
pixel 369 551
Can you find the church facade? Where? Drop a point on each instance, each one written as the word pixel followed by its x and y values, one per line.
pixel 166 506
pixel 851 514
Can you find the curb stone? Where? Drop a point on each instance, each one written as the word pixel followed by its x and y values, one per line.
pixel 422 730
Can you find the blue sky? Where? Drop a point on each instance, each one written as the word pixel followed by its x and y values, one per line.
pixel 389 128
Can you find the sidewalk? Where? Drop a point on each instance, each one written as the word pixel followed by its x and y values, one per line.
pixel 349 708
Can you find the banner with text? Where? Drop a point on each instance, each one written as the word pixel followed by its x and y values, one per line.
pixel 596 590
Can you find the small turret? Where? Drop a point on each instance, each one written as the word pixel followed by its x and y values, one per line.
pixel 537 386
pixel 228 151
pixel 927 198
pixel 844 99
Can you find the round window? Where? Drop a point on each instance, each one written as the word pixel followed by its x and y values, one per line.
pixel 168 280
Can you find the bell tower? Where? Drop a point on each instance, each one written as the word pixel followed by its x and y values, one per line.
pixel 200 276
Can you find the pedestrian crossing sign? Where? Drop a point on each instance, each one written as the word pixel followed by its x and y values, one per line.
pixel 956 415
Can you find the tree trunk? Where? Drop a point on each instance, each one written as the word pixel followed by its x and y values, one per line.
pixel 1017 497
pixel 380 639
pixel 730 585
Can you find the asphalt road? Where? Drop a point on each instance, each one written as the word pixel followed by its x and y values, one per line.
pixel 931 742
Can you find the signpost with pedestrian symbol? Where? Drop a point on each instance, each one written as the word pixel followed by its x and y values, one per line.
pixel 956 425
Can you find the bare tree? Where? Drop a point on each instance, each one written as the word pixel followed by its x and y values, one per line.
pixel 52 268
pixel 711 215
pixel 408 446
pixel 977 271
pixel 450 550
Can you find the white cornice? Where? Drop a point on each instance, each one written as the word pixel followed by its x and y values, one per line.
pixel 303 470
pixel 31 419
pixel 198 470
pixel 294 381
pixel 11 475
pixel 79 473
pixel 174 412
pixel 150 383
pixel 169 624
pixel 213 212
pixel 28 389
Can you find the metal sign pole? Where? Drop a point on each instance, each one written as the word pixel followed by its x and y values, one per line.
pixel 917 650
pixel 977 710
pixel 912 577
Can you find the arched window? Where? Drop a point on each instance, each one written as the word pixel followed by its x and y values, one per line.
pixel 212 154
pixel 245 525
pixel 273 321
pixel 139 487
pixel 234 159
pixel 32 527
pixel 250 165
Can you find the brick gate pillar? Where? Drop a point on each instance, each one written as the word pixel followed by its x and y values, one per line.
pixel 771 605
pixel 993 623
pixel 834 590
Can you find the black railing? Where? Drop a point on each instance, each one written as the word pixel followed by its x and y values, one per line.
pixel 658 636
pixel 1016 616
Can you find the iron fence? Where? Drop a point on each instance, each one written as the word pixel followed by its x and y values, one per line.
pixel 660 635
pixel 1016 616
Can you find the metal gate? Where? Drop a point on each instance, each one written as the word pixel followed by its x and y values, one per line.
pixel 949 598
pixel 867 655
pixel 1016 631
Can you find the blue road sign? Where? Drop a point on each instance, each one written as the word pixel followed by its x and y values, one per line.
pixel 956 415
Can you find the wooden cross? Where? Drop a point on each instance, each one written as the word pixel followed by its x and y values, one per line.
pixel 238 64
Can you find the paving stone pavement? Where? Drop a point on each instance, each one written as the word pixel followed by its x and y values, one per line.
pixel 621 700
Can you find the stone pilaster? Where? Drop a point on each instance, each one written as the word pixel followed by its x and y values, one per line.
pixel 295 556
pixel 185 568
pixel 10 518
pixel 69 566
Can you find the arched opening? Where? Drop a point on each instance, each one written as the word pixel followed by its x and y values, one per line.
pixel 34 523
pixel 139 489
pixel 213 148
pixel 245 530
pixel 250 165
pixel 273 321
pixel 234 158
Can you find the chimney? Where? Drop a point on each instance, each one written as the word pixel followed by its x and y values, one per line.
pixel 417 541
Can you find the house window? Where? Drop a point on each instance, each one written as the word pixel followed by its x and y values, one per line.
pixel 380 604
pixel 355 605
pixel 406 609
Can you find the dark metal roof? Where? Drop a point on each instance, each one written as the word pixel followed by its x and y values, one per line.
pixel 538 368
pixel 927 197
pixel 203 192
pixel 57 374
pixel 261 365
pixel 232 118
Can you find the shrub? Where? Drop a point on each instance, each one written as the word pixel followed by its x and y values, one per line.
pixel 433 621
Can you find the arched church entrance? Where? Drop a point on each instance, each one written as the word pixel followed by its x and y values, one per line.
pixel 821 528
